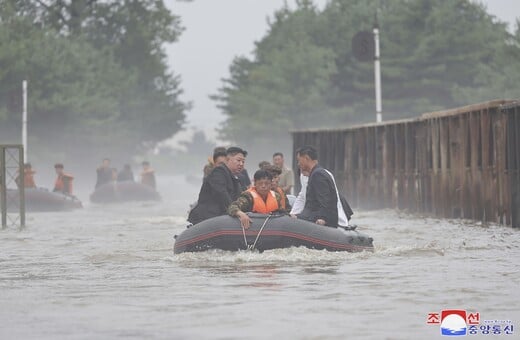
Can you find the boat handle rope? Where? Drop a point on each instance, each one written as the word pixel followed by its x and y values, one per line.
pixel 252 246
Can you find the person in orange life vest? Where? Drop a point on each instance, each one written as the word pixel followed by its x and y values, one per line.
pixel 63 182
pixel 276 171
pixel 148 175
pixel 28 176
pixel 258 199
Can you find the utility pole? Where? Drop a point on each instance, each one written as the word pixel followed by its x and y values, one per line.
pixel 24 121
pixel 377 72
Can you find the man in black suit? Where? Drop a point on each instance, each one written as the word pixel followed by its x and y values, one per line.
pixel 321 202
pixel 220 187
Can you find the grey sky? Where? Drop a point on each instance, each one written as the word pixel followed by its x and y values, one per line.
pixel 218 30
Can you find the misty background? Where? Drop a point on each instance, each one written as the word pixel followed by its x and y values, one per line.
pixel 168 81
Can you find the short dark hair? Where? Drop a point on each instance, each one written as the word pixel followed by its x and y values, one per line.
pixel 308 150
pixel 263 164
pixel 274 170
pixel 231 151
pixel 58 166
pixel 278 154
pixel 145 163
pixel 218 154
pixel 106 159
pixel 27 165
pixel 261 174
pixel 219 149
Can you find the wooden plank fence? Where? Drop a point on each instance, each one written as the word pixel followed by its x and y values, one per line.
pixel 460 163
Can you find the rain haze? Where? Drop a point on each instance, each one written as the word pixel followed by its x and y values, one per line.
pixel 109 249
pixel 218 31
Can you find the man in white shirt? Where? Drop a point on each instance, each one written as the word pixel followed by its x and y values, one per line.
pixel 299 203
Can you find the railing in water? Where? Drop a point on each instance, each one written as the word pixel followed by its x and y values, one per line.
pixel 461 163
pixel 12 207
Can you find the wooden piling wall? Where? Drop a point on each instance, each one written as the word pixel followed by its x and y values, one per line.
pixel 461 163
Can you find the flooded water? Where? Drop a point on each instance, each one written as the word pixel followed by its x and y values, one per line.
pixel 109 272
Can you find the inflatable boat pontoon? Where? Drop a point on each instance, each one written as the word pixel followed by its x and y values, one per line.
pixel 268 232
pixel 41 199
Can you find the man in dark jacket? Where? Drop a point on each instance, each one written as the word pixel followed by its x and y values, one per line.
pixel 104 173
pixel 321 203
pixel 220 187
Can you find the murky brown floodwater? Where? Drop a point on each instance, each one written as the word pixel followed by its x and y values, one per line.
pixel 106 273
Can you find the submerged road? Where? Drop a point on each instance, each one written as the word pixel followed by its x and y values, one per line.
pixel 110 273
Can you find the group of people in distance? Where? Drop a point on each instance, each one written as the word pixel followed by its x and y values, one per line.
pixel 106 174
pixel 63 182
pixel 225 191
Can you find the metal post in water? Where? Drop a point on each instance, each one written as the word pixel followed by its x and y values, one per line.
pixel 21 186
pixel 377 73
pixel 24 121
pixel 3 188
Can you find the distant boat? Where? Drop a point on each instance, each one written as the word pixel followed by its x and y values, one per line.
pixel 41 199
pixel 268 232
pixel 125 191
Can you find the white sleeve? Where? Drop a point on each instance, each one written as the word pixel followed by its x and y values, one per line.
pixel 299 203
pixel 342 217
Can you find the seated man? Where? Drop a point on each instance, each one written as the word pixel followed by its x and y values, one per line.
pixel 63 181
pixel 258 199
pixel 276 172
pixel 220 187
pixel 321 201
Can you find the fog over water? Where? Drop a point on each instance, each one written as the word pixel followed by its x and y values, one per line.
pixel 109 272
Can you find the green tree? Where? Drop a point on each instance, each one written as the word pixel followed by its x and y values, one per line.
pixel 283 89
pixel 74 89
pixel 97 72
pixel 435 55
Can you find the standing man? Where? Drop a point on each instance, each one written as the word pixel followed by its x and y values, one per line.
pixel 103 173
pixel 148 175
pixel 321 201
pixel 126 174
pixel 219 155
pixel 219 158
pixel 63 182
pixel 286 181
pixel 220 187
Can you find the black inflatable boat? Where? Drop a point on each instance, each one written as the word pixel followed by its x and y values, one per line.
pixel 124 192
pixel 268 232
pixel 41 199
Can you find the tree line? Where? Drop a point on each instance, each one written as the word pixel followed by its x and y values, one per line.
pixel 97 71
pixel 435 54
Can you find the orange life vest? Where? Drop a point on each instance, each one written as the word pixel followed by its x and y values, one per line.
pixel 64 184
pixel 28 179
pixel 148 178
pixel 261 206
